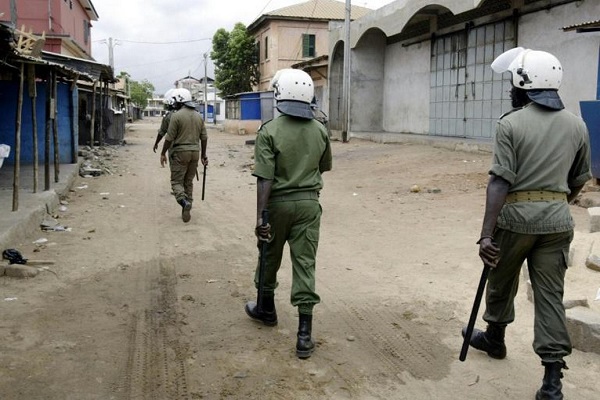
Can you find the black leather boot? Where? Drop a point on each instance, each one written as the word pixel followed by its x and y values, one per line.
pixel 268 314
pixel 551 386
pixel 186 206
pixel 305 345
pixel 491 341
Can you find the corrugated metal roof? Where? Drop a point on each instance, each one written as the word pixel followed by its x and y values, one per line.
pixel 319 9
pixel 583 25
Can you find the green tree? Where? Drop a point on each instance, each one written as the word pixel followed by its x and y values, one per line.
pixel 236 60
pixel 140 92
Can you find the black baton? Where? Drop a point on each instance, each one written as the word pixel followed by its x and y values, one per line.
pixel 474 311
pixel 262 264
pixel 203 182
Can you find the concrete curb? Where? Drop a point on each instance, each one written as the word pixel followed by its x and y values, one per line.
pixel 33 208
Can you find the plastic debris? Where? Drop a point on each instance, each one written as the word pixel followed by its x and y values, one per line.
pixel 13 256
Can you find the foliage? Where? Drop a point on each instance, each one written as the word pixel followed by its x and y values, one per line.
pixel 236 60
pixel 140 92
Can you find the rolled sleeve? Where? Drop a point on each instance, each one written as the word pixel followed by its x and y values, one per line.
pixel 326 160
pixel 264 157
pixel 505 159
pixel 580 170
pixel 164 125
pixel 203 134
pixel 172 130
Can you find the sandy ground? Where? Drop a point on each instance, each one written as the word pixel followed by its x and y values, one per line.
pixel 140 305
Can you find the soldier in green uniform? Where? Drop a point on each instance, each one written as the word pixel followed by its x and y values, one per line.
pixel 291 153
pixel 541 162
pixel 186 141
pixel 168 102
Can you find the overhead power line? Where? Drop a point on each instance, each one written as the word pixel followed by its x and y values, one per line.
pixel 141 42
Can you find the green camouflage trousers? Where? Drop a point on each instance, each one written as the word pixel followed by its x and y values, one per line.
pixel 298 223
pixel 547 257
pixel 183 166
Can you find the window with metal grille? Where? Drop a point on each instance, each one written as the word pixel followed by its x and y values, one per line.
pixel 466 97
pixel 86 31
pixel 266 47
pixel 308 45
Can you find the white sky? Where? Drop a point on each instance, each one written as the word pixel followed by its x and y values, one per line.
pixel 164 40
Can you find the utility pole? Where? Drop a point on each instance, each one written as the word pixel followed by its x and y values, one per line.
pixel 205 87
pixel 13 12
pixel 111 43
pixel 346 77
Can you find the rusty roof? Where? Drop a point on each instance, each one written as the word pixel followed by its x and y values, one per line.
pixel 320 9
pixel 590 26
pixel 326 10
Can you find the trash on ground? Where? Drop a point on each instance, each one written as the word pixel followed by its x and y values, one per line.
pixel 50 224
pixel 13 256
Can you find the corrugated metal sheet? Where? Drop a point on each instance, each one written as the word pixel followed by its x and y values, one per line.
pixel 319 9
pixel 583 25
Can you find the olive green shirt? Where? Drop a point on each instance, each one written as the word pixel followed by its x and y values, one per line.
pixel 293 152
pixel 164 124
pixel 186 129
pixel 539 149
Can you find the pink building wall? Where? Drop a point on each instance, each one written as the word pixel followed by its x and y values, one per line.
pixel 61 20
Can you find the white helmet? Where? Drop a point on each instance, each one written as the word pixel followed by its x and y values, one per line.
pixel 538 72
pixel 183 96
pixel 294 91
pixel 168 99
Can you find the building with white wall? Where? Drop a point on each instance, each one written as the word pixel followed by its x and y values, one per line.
pixel 423 68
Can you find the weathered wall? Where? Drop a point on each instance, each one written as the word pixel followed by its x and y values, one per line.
pixel 8 103
pixel 406 88
pixel 285 46
pixel 577 52
pixel 367 83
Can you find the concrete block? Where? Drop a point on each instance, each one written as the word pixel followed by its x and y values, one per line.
pixel 20 271
pixel 589 200
pixel 584 328
pixel 570 261
pixel 572 303
pixel 594 213
pixel 593 262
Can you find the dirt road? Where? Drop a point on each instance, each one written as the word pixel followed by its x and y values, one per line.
pixel 143 306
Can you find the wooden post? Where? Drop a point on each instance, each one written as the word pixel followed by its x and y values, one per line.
pixel 17 170
pixel 55 128
pixel 48 131
pixel 33 96
pixel 74 120
pixel 101 138
pixel 93 128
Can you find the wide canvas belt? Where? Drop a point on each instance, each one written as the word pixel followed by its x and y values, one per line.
pixel 535 195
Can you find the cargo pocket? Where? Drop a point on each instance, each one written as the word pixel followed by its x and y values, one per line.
pixel 312 234
pixel 565 250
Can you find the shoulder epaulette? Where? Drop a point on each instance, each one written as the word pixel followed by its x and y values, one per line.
pixel 264 123
pixel 510 112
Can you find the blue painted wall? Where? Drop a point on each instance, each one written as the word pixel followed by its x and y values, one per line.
pixel 8 111
pixel 250 106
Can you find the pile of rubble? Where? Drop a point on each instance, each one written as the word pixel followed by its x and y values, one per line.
pixel 97 161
